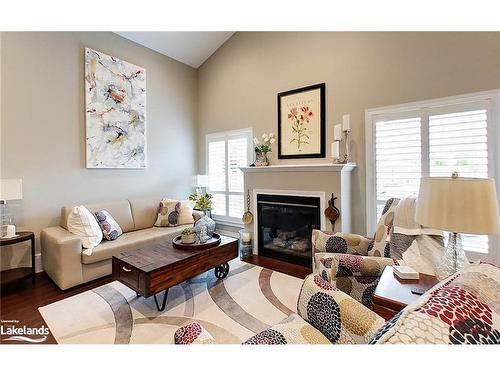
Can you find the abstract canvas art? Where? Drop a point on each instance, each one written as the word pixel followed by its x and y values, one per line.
pixel 115 105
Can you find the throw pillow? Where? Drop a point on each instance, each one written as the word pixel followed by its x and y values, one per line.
pixel 83 224
pixel 424 254
pixel 168 213
pixel 110 228
pixel 186 212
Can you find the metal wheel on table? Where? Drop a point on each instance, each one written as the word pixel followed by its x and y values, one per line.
pixel 221 271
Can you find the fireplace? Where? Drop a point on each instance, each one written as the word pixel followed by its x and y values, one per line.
pixel 284 226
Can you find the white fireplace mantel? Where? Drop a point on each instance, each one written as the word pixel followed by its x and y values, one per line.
pixel 301 168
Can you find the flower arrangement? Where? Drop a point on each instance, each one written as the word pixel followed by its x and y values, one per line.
pixel 203 202
pixel 265 145
pixel 299 121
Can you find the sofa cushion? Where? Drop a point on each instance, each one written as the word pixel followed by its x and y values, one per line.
pixel 131 241
pixel 81 222
pixel 144 211
pixel 120 210
pixel 463 309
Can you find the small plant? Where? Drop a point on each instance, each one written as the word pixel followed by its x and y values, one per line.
pixel 203 202
pixel 187 231
pixel 265 145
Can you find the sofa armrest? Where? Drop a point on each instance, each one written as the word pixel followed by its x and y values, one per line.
pixel 336 315
pixel 193 333
pixel 357 265
pixel 62 256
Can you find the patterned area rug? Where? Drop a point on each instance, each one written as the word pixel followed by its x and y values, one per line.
pixel 249 300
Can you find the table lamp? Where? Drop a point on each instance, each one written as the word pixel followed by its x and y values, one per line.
pixel 457 205
pixel 10 189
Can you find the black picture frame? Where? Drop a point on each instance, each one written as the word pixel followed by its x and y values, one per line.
pixel 322 153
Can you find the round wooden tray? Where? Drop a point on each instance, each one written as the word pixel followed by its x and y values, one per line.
pixel 214 241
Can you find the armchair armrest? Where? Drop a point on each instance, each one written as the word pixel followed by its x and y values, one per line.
pixel 336 315
pixel 62 256
pixel 357 265
pixel 340 242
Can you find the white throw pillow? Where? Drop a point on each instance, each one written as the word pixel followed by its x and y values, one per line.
pixel 83 224
pixel 424 254
pixel 186 212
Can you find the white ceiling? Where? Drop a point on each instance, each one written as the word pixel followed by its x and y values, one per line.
pixel 189 47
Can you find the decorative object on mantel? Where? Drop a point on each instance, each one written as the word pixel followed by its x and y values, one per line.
pixel 332 213
pixel 346 128
pixel 301 123
pixel 262 148
pixel 10 190
pixel 247 215
pixel 115 110
pixel 245 243
pixel 457 205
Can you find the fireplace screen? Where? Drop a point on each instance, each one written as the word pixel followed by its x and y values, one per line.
pixel 285 225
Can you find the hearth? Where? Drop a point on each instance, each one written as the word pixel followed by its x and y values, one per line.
pixel 284 226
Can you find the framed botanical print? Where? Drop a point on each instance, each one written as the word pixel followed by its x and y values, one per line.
pixel 301 123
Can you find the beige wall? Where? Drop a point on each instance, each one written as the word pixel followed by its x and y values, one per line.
pixel 238 84
pixel 43 125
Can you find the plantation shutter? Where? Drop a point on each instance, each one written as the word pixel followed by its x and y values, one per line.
pixel 226 153
pixel 397 159
pixel 459 142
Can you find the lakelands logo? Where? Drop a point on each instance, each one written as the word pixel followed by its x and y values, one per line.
pixel 21 333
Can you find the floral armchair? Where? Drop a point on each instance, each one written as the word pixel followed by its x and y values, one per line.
pixel 354 263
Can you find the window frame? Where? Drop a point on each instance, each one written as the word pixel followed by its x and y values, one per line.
pixel 226 136
pixel 424 109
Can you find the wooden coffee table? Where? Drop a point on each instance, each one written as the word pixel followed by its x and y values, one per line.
pixel 393 294
pixel 155 268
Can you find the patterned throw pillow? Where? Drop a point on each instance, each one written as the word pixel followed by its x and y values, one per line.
pixel 110 228
pixel 168 213
pixel 380 246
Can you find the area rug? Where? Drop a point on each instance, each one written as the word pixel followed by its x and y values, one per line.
pixel 249 300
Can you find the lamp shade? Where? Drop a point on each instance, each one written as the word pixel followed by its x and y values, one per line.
pixel 459 205
pixel 11 189
pixel 200 180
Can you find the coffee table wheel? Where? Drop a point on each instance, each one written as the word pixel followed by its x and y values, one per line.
pixel 221 271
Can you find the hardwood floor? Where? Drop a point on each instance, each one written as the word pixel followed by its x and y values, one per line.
pixel 20 302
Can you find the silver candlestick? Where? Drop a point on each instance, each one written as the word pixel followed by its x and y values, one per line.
pixel 346 149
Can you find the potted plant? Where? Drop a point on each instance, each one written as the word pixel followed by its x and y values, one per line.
pixel 262 148
pixel 203 202
pixel 188 235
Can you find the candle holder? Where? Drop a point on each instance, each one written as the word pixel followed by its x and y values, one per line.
pixel 346 148
pixel 245 244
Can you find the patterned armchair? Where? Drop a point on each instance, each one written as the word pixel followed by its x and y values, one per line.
pixel 354 263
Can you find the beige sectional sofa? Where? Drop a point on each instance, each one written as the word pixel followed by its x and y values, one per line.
pixel 62 256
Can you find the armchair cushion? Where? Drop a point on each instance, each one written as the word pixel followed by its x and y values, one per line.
pixel 336 315
pixel 380 246
pixel 292 330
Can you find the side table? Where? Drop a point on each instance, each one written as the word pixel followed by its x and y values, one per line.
pixel 20 273
pixel 393 294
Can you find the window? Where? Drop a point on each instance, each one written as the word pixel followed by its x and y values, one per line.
pixel 226 152
pixel 432 138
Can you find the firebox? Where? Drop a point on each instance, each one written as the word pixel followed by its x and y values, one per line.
pixel 285 224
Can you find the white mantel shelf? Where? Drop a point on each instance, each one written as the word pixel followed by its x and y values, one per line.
pixel 301 168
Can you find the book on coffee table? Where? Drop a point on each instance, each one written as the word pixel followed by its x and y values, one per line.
pixel 405 273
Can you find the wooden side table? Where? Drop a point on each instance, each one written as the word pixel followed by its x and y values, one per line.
pixel 393 294
pixel 20 273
